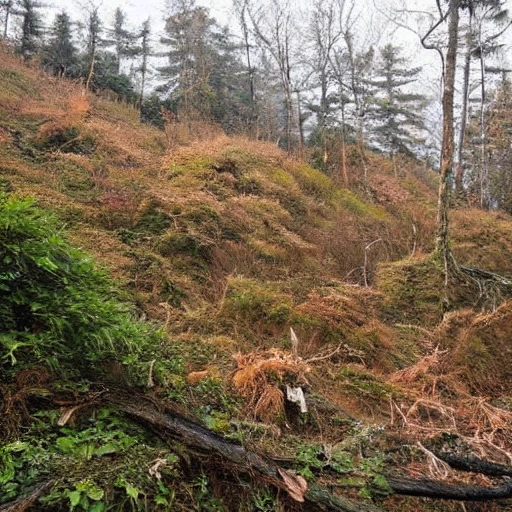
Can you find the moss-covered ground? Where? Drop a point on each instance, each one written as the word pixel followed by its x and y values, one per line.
pixel 225 245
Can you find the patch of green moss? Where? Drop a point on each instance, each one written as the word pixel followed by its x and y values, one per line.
pixel 413 291
pixel 347 200
pixel 364 384
pixel 257 304
pixel 249 185
pixel 281 177
pixel 294 204
pixel 152 221
pixel 175 243
pixel 67 139
pixel 172 293
pixel 314 183
pixel 239 160
pixel 15 85
pixel 74 180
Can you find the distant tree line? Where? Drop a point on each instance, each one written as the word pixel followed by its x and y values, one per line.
pixel 323 79
pixel 251 84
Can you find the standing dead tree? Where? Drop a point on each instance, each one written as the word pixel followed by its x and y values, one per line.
pixel 273 26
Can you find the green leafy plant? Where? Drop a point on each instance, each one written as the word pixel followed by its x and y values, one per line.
pixel 56 308
pixel 86 496
pixel 366 474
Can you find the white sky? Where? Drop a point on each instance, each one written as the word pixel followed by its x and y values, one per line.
pixel 139 10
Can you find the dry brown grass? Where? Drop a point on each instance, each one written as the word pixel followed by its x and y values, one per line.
pixel 260 377
pixel 262 217
pixel 482 239
pixel 458 388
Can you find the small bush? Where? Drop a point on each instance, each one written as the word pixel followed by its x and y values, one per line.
pixel 56 309
pixel 66 138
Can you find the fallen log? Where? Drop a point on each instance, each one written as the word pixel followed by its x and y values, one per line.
pixel 448 491
pixel 235 456
pixel 474 464
pixel 25 502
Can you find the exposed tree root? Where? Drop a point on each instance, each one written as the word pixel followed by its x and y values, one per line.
pixel 485 275
pixel 491 287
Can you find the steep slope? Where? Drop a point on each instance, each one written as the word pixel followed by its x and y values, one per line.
pixel 229 243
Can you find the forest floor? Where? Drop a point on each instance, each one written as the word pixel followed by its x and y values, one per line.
pixel 264 274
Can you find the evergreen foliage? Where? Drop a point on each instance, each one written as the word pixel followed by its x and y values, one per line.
pixel 60 56
pixel 203 79
pixel 122 38
pixel 94 30
pixel 106 77
pixel 144 51
pixel 56 309
pixel 396 114
pixel 31 27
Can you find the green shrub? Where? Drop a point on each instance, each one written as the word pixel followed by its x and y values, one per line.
pixel 56 309
pixel 68 139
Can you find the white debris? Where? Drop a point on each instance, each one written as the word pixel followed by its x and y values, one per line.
pixel 296 395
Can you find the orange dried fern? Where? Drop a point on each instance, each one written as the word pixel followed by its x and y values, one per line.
pixel 261 374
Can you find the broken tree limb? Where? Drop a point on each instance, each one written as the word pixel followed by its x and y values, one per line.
pixel 474 464
pixel 237 457
pixel 448 491
pixel 25 502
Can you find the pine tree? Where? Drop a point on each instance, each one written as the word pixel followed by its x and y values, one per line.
pixel 205 79
pixel 106 78
pixel 395 113
pixel 230 104
pixel 31 27
pixel 122 39
pixel 144 52
pixel 60 56
pixel 188 38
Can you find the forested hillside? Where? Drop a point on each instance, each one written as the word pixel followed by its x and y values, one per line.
pixel 197 316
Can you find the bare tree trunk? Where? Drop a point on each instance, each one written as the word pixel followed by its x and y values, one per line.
pixel 7 6
pixel 459 171
pixel 91 68
pixel 447 151
pixel 301 128
pixel 289 117
pixel 484 174
pixel 343 143
pixel 142 87
pixel 360 145
pixel 253 121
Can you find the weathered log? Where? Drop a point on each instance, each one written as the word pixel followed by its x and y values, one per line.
pixel 25 502
pixel 235 456
pixel 474 464
pixel 448 491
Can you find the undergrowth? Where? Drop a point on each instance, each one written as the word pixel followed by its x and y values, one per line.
pixel 57 310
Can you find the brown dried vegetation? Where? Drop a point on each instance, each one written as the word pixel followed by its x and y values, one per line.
pixel 230 242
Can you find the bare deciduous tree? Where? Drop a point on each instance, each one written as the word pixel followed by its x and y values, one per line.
pixel 274 27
